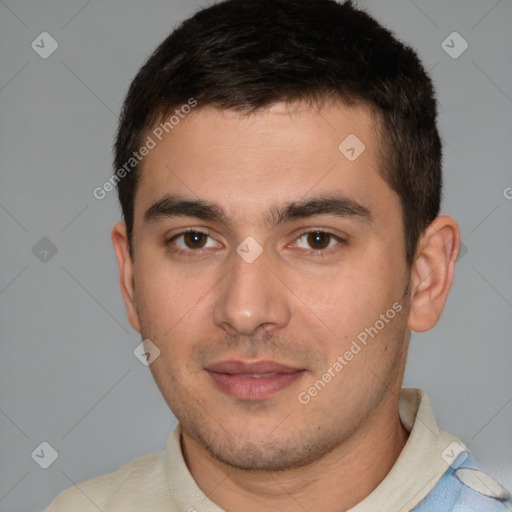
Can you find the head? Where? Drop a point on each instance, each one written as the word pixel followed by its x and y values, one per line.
pixel 283 214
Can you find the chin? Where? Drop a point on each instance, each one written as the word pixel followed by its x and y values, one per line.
pixel 264 452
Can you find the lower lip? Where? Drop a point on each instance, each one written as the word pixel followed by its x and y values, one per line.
pixel 251 388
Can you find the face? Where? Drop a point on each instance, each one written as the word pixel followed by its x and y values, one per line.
pixel 269 270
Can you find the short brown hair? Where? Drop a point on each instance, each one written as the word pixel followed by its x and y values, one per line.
pixel 247 54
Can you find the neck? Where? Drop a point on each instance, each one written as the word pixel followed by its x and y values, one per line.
pixel 336 482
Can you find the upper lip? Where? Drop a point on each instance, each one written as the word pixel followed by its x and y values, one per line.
pixel 248 368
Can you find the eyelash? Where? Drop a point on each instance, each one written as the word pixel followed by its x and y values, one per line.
pixel 323 252
pixel 184 232
pixel 315 252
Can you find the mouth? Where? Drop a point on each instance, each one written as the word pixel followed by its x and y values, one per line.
pixel 253 380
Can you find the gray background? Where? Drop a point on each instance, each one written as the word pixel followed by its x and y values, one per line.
pixel 68 373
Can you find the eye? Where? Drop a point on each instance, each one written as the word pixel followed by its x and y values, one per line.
pixel 318 240
pixel 193 240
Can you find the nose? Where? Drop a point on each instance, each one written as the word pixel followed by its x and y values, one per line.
pixel 251 298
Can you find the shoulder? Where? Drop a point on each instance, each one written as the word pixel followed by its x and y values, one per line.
pixel 119 486
pixel 465 488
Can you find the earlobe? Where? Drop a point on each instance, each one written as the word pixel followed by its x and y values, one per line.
pixel 432 273
pixel 126 277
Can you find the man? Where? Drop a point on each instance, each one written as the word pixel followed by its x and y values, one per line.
pixel 279 170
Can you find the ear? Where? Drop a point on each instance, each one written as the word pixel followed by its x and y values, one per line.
pixel 432 272
pixel 126 282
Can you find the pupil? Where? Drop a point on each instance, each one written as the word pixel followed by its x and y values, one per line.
pixel 195 240
pixel 318 240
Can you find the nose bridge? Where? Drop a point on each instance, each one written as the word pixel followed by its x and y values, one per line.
pixel 251 296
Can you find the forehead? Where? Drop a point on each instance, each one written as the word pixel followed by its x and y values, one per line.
pixel 250 163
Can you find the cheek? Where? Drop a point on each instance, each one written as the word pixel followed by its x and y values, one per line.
pixel 164 294
pixel 353 298
pixel 174 312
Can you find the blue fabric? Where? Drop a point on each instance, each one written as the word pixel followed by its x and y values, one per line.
pixel 451 495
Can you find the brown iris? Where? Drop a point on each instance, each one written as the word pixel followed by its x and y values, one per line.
pixel 195 239
pixel 319 240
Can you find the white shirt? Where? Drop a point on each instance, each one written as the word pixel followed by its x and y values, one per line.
pixel 162 481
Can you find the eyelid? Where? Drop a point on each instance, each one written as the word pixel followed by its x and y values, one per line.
pixel 342 238
pixel 184 231
pixel 331 250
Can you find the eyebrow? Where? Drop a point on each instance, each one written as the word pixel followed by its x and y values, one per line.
pixel 170 206
pixel 338 205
